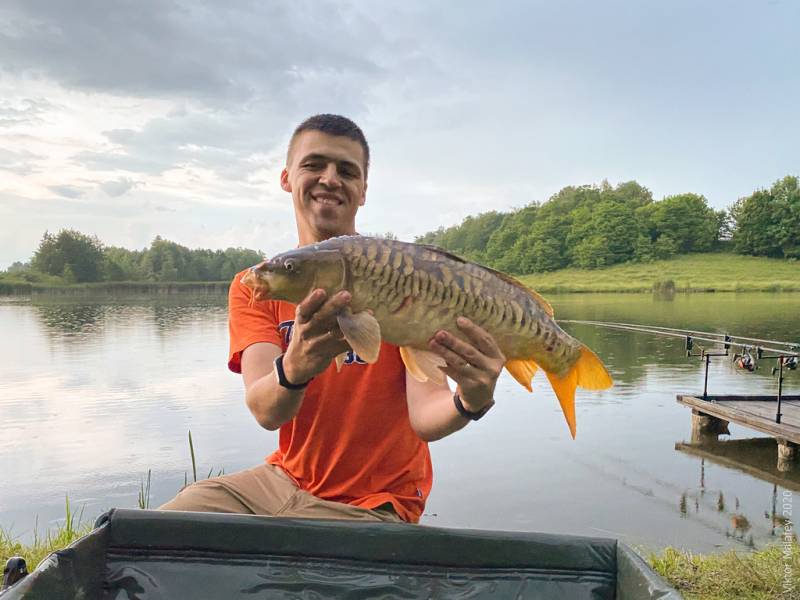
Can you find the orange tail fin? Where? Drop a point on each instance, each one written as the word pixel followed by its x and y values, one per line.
pixel 588 372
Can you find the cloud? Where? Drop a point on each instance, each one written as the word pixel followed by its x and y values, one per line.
pixel 118 187
pixel 26 111
pixel 179 49
pixel 67 191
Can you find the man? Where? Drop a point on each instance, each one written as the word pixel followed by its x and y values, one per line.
pixel 353 444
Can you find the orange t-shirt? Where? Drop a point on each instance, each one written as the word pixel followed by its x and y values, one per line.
pixel 351 441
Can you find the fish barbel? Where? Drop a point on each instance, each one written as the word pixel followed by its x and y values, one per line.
pixel 405 293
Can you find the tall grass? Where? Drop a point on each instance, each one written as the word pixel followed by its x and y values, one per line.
pixel 769 574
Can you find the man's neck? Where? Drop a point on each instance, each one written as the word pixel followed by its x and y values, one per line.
pixel 313 237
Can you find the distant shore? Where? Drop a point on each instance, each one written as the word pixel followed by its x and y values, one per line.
pixel 708 272
pixel 115 288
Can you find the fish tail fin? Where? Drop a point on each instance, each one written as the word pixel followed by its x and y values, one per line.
pixel 523 371
pixel 564 387
pixel 587 372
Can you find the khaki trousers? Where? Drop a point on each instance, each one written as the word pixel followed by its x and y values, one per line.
pixel 268 490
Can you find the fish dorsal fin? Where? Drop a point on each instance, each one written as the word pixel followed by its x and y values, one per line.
pixel 543 304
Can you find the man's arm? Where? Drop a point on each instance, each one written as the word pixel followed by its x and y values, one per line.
pixel 316 341
pixel 474 366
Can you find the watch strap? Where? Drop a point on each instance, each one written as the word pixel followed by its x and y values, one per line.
pixel 282 376
pixel 472 416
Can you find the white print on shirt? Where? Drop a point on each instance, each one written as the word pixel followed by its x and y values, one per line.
pixel 287 327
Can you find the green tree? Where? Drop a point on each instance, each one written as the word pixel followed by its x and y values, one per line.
pixel 767 223
pixel 69 254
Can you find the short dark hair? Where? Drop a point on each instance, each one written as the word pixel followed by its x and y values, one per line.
pixel 334 125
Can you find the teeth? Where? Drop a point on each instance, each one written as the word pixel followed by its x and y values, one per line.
pixel 327 201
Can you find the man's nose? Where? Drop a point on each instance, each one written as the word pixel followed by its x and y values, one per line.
pixel 330 176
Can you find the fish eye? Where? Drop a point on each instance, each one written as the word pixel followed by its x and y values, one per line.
pixel 289 265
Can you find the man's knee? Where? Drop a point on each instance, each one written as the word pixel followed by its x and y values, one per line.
pixel 208 495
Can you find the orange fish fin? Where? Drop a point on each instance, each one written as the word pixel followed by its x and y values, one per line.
pixel 340 358
pixel 523 371
pixel 592 373
pixel 564 387
pixel 363 333
pixel 423 365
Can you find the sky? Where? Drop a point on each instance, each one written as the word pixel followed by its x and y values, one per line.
pixel 132 119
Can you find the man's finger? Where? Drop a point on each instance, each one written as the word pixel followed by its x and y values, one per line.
pixel 457 362
pixel 325 317
pixel 310 305
pixel 465 351
pixel 481 338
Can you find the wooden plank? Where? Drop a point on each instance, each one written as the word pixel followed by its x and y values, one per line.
pixel 723 410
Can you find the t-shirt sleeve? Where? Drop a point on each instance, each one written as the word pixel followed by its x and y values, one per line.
pixel 248 322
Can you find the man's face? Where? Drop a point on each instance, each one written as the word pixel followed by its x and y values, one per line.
pixel 325 175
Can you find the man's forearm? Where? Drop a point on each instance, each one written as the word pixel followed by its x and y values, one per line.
pixel 272 404
pixel 437 416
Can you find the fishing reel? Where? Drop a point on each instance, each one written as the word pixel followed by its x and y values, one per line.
pixel 787 362
pixel 745 361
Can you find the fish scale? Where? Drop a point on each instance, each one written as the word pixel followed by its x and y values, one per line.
pixel 404 293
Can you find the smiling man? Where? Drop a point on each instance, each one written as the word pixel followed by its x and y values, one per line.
pixel 353 444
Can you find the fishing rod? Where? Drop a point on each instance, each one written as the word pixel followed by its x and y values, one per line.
pixel 788 357
pixel 791 349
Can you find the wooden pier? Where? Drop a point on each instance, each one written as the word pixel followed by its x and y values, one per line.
pixel 710 417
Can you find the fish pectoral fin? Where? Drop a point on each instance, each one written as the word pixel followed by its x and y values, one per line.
pixel 422 364
pixel 523 371
pixel 564 387
pixel 363 332
pixel 340 358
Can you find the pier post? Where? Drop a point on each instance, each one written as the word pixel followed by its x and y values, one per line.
pixel 788 453
pixel 706 428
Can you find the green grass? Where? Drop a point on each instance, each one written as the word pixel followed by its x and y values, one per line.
pixel 719 272
pixel 765 574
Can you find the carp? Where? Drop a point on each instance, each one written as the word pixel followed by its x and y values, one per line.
pixel 405 293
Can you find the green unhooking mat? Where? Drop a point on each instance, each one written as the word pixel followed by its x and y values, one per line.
pixel 144 555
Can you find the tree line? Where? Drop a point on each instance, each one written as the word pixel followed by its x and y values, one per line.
pixel 586 226
pixel 595 226
pixel 74 257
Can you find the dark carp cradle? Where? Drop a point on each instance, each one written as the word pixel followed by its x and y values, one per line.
pixel 405 293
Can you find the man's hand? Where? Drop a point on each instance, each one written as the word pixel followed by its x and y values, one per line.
pixel 474 365
pixel 316 337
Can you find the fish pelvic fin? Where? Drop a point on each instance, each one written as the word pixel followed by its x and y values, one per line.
pixel 363 333
pixel 588 372
pixel 423 365
pixel 340 358
pixel 523 371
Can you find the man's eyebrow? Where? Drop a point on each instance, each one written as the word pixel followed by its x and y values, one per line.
pixel 325 157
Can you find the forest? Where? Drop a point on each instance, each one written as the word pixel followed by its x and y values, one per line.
pixel 589 226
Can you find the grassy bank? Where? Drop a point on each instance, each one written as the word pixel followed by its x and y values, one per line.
pixel 719 272
pixel 767 574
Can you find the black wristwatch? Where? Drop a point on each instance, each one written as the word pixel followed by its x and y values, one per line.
pixel 472 416
pixel 282 376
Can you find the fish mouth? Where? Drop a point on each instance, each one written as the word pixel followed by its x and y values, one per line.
pixel 253 278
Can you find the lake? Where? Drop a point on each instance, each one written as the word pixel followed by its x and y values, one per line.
pixel 94 393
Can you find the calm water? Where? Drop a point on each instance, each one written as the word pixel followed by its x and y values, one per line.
pixel 93 394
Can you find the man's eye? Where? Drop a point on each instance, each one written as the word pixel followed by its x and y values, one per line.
pixel 312 165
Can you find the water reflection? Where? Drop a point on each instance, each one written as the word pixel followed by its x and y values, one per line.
pixel 131 378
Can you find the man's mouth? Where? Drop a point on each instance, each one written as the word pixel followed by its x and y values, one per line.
pixel 326 200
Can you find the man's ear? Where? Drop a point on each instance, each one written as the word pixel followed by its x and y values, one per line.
pixel 363 198
pixel 286 186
